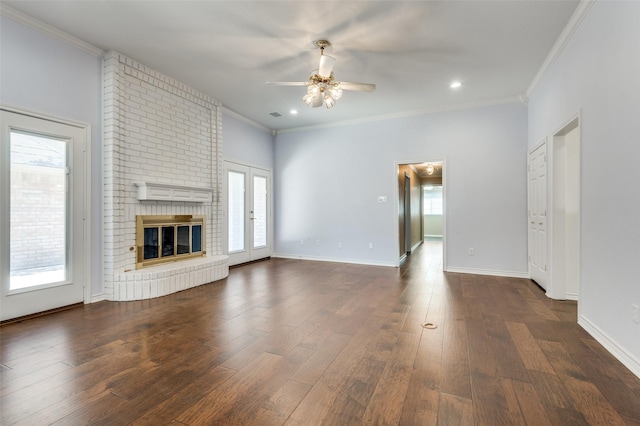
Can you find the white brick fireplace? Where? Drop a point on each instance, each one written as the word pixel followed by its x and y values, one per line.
pixel 163 134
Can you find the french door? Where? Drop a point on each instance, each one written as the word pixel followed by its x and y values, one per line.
pixel 42 223
pixel 247 213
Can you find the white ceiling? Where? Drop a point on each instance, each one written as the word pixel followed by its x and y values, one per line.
pixel 411 50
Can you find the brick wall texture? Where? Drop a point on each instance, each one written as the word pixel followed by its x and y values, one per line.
pixel 157 130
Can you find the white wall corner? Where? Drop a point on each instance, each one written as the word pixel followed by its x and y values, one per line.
pixel 574 22
pixel 24 19
pixel 627 359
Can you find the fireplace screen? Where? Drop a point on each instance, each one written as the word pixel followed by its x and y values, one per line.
pixel 161 239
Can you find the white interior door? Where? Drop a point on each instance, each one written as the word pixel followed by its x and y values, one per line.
pixel 538 215
pixel 42 224
pixel 248 213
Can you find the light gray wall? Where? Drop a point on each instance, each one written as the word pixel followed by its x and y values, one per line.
pixel 328 181
pixel 597 75
pixel 44 75
pixel 246 144
pixel 432 225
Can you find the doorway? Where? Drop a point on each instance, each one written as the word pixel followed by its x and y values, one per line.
pixel 43 245
pixel 248 230
pixel 565 216
pixel 554 213
pixel 413 178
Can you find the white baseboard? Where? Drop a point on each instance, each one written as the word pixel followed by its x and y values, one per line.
pixel 333 259
pixel 627 359
pixel 416 245
pixel 492 272
pixel 571 296
pixel 98 297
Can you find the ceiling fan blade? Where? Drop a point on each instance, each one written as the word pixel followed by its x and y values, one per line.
pixel 287 83
pixel 361 87
pixel 326 65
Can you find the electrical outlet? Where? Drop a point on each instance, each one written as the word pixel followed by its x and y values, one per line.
pixel 370 245
pixel 301 242
pixel 340 245
pixel 471 252
pixel 636 314
pixel 317 242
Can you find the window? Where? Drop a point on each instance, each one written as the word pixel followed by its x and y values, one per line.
pixel 432 196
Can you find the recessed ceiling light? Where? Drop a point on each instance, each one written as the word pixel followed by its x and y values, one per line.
pixel 455 85
pixel 293 112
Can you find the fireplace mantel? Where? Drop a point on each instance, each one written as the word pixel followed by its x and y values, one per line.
pixel 164 192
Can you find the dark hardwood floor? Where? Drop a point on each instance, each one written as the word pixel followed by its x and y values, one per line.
pixel 305 343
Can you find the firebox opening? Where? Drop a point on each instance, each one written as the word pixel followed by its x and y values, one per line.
pixel 168 238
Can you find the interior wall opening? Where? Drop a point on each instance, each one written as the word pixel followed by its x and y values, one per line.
pixel 566 213
pixel 421 212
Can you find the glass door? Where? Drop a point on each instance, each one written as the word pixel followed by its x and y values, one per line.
pixel 248 213
pixel 42 223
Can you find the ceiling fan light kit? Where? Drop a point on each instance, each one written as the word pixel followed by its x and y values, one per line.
pixel 322 89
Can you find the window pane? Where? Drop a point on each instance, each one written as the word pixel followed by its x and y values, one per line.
pixel 236 211
pixel 167 240
pixel 259 211
pixel 38 214
pixel 433 200
pixel 183 239
pixel 150 243
pixel 196 238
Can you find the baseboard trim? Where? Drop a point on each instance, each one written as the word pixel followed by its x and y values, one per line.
pixel 492 272
pixel 572 296
pixel 333 259
pixel 95 298
pixel 609 344
pixel 40 314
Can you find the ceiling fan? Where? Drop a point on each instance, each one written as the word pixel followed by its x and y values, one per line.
pixel 322 87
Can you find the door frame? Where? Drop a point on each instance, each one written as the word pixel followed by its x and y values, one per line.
pixel 225 198
pixel 555 286
pixel 86 192
pixel 396 208
pixel 556 230
pixel 407 214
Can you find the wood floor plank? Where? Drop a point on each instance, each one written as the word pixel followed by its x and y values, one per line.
pixel 592 404
pixel 421 403
pixel 180 401
pixel 295 342
pixel 551 390
pixel 511 364
pixel 219 404
pixel 531 354
pixel 385 405
pixel 355 393
pixel 454 410
pixel 491 402
pixel 311 371
pixel 533 411
pixel 286 399
pixel 455 378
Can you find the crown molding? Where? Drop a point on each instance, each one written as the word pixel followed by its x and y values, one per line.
pixel 24 19
pixel 574 22
pixel 411 113
pixel 246 120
